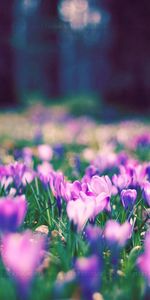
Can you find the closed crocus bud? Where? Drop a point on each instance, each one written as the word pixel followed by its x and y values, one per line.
pixel 143 261
pixel 88 272
pixel 21 255
pixel 45 152
pixel 116 233
pixel 146 192
pixel 128 198
pixel 12 212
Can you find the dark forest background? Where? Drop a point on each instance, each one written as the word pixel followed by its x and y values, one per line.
pixel 58 48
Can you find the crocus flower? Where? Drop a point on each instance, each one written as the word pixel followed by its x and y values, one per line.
pixel 148 171
pixel 101 187
pixel 56 182
pixel 128 198
pixel 116 236
pixel 17 171
pixel 28 176
pixel 121 181
pixel 12 212
pixel 116 233
pixel 21 255
pixel 44 170
pixel 88 274
pixel 80 211
pixel 45 152
pixel 146 192
pixel 143 261
pixel 94 237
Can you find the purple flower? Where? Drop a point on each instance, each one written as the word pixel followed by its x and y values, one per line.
pixel 56 182
pixel 94 237
pixel 17 171
pixel 128 198
pixel 148 171
pixel 88 272
pixel 143 261
pixel 121 181
pixel 12 212
pixel 146 192
pixel 116 233
pixel 21 255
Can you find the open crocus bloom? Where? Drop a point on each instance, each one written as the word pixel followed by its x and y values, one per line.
pixel 22 254
pixel 143 261
pixel 85 208
pixel 99 185
pixel 12 212
pixel 117 233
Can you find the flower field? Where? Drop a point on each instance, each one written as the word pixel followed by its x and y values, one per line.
pixel 74 207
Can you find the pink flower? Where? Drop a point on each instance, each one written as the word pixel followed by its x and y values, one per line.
pixel 102 188
pixel 116 233
pixel 121 181
pixel 143 261
pixel 85 208
pixel 99 185
pixel 28 177
pixel 22 254
pixel 56 181
pixel 44 170
pixel 80 211
pixel 45 152
pixel 12 212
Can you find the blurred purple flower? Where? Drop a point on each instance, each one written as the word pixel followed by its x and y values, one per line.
pixel 94 237
pixel 128 198
pixel 12 212
pixel 17 171
pixel 116 233
pixel 88 272
pixel 143 261
pixel 21 255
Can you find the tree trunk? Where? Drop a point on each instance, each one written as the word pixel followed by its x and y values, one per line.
pixel 129 54
pixel 7 84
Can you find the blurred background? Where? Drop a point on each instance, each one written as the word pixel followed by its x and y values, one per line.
pixel 95 53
